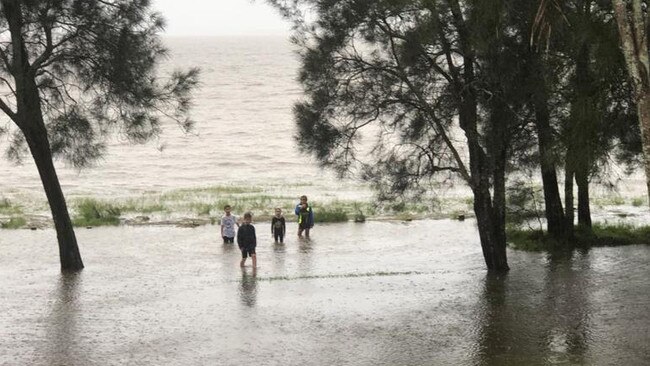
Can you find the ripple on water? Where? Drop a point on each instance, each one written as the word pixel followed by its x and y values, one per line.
pixel 379 293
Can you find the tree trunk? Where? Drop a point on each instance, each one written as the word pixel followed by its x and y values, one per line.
pixel 552 202
pixel 643 110
pixel 492 243
pixel 569 217
pixel 632 29
pixel 584 213
pixel 491 224
pixel 581 133
pixel 68 250
pixel 29 118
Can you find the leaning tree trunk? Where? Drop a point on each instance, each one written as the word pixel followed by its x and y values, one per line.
pixel 68 249
pixel 29 118
pixel 632 29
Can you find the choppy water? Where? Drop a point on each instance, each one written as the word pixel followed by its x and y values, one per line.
pixel 243 135
pixel 379 293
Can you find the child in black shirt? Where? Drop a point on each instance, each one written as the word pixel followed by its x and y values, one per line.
pixel 278 226
pixel 247 240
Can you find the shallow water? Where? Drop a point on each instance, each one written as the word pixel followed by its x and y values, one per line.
pixel 379 293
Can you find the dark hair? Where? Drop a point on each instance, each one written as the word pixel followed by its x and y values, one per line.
pixel 248 215
pixel 226 206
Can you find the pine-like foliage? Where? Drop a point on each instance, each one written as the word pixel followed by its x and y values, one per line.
pixel 94 63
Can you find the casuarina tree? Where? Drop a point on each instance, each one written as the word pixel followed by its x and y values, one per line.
pixel 407 73
pixel 75 71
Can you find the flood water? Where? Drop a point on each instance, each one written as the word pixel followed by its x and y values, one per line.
pixel 378 293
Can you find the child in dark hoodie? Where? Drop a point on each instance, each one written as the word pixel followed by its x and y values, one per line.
pixel 246 240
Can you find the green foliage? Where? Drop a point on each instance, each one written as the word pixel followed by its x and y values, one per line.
pixel 330 215
pixel 639 201
pixel 15 222
pixel 108 53
pixel 90 212
pixel 523 203
pixel 599 235
pixel 6 207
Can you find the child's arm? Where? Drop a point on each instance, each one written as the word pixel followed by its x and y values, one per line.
pixel 222 225
pixel 254 236
pixel 284 226
pixel 297 210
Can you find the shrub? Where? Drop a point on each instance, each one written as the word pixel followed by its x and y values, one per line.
pixel 90 212
pixel 638 202
pixel 330 215
pixel 15 222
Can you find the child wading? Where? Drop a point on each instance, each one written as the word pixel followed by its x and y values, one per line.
pixel 305 217
pixel 228 223
pixel 247 240
pixel 278 226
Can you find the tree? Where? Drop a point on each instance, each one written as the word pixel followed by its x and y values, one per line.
pixel 632 21
pixel 76 70
pixel 592 91
pixel 406 71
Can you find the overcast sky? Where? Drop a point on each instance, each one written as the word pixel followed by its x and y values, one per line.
pixel 220 17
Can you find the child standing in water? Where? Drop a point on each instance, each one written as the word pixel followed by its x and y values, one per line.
pixel 247 240
pixel 305 217
pixel 228 222
pixel 278 226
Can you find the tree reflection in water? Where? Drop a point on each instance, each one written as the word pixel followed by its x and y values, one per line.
pixel 63 322
pixel 537 318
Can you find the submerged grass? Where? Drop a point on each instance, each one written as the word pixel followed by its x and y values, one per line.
pixel 600 235
pixel 90 212
pixel 335 214
pixel 15 222
pixel 8 208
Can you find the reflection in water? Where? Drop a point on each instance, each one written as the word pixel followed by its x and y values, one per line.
pixel 248 287
pixel 526 321
pixel 304 259
pixel 496 333
pixel 62 330
pixel 279 255
pixel 228 248
pixel 566 303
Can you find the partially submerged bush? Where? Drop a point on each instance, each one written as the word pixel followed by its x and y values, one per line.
pixel 15 222
pixel 597 236
pixel 90 212
pixel 330 215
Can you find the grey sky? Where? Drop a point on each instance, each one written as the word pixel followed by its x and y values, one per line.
pixel 220 17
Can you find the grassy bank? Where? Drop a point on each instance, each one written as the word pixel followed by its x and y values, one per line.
pixel 201 205
pixel 600 235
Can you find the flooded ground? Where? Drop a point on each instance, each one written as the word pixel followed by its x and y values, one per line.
pixel 379 293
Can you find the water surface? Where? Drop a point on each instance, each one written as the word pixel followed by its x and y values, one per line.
pixel 379 293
